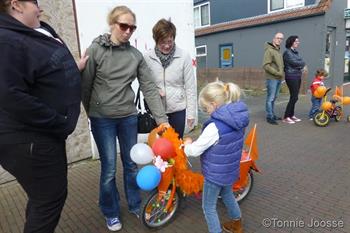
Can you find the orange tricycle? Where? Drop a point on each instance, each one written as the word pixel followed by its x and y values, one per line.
pixel 178 181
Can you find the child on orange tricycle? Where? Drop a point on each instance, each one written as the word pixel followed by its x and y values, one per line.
pixel 226 168
pixel 322 113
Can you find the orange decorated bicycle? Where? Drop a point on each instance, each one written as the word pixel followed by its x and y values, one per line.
pixel 178 181
pixel 332 108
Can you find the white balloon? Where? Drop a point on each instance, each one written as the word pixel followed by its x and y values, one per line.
pixel 141 153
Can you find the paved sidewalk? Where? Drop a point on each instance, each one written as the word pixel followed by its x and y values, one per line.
pixel 305 175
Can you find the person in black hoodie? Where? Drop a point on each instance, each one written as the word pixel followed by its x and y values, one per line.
pixel 39 108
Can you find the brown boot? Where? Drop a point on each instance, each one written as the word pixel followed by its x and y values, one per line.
pixel 233 226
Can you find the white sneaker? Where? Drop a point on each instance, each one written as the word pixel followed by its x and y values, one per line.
pixel 288 120
pixel 114 224
pixel 294 118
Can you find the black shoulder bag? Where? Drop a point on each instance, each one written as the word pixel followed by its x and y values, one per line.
pixel 146 122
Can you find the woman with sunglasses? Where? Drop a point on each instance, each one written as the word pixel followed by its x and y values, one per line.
pixel 108 99
pixel 172 68
pixel 39 108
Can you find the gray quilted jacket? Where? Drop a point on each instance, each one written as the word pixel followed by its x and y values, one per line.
pixel 177 81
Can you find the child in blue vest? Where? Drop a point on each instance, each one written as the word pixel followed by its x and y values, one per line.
pixel 220 149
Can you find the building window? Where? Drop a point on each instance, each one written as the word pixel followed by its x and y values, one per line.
pixel 201 15
pixel 277 5
pixel 226 56
pixel 201 56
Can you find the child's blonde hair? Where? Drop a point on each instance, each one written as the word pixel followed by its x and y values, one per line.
pixel 220 93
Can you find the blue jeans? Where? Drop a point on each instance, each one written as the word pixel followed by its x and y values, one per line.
pixel 105 131
pixel 211 192
pixel 273 88
pixel 316 104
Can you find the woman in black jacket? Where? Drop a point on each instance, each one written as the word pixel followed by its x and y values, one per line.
pixel 293 66
pixel 39 108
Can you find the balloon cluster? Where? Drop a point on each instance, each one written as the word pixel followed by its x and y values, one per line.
pixel 161 152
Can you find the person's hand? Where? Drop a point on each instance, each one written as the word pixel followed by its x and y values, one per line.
pixel 305 69
pixel 82 61
pixel 161 93
pixel 190 122
pixel 187 140
pixel 165 125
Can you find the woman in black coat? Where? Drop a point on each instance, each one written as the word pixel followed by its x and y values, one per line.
pixel 39 108
pixel 293 67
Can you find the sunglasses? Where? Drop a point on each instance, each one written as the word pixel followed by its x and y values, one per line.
pixel 125 26
pixel 33 1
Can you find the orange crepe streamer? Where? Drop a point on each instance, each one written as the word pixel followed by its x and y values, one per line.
pixel 188 181
pixel 165 181
pixel 343 100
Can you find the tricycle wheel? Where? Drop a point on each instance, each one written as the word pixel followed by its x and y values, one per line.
pixel 153 211
pixel 339 113
pixel 243 192
pixel 321 119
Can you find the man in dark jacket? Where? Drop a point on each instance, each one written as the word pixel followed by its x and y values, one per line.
pixel 274 73
pixel 39 108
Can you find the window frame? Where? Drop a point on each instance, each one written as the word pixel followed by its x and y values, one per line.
pixel 284 6
pixel 199 6
pixel 203 54
pixel 227 45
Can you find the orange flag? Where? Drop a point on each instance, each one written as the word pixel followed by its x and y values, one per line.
pixel 338 91
pixel 252 144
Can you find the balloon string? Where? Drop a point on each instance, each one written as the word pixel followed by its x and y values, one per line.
pixel 188 161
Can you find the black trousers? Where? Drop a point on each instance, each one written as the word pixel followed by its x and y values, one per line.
pixel 41 170
pixel 177 121
pixel 294 87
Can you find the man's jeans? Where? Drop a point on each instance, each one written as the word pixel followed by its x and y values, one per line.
pixel 273 88
pixel 316 104
pixel 211 193
pixel 105 131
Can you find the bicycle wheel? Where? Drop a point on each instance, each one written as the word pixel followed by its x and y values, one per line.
pixel 153 213
pixel 321 119
pixel 339 113
pixel 243 192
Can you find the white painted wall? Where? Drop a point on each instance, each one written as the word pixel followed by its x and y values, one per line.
pixel 92 21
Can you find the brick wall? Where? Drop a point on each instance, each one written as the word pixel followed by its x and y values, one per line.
pixel 246 77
